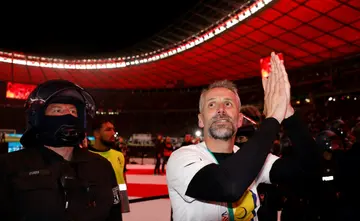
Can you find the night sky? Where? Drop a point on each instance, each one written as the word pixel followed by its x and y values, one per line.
pixel 85 30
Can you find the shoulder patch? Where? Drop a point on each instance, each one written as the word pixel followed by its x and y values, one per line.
pixel 116 195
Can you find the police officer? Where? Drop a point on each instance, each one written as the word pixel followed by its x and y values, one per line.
pixel 52 178
pixel 330 145
pixel 104 133
pixel 340 129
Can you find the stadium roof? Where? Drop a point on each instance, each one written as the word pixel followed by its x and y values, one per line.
pixel 134 28
pixel 306 32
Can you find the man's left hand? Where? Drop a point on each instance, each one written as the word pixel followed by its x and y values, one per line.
pixel 289 111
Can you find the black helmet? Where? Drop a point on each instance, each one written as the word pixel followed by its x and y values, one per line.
pixel 339 127
pixel 56 91
pixel 327 140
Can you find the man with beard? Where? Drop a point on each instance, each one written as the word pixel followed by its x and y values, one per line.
pixel 187 140
pixel 52 178
pixel 104 133
pixel 215 180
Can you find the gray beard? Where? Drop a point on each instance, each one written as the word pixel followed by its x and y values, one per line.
pixel 221 132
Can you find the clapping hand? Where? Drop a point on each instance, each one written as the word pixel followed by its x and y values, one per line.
pixel 277 91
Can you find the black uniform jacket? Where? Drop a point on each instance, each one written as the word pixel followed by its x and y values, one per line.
pixel 38 184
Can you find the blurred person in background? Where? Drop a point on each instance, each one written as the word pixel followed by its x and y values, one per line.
pixel 2 137
pixel 251 121
pixel 196 140
pixel 53 178
pixel 330 145
pixel 253 113
pixel 104 133
pixel 271 202
pixel 356 134
pixel 167 151
pixel 123 148
pixel 339 191
pixel 159 150
pixel 187 140
pixel 340 128
pixel 350 173
pixel 85 143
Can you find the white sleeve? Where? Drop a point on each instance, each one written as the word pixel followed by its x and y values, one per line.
pixel 264 175
pixel 182 166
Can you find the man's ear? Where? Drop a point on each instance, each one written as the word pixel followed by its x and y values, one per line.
pixel 240 120
pixel 201 120
pixel 96 133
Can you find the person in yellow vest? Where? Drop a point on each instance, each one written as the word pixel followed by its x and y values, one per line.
pixel 104 133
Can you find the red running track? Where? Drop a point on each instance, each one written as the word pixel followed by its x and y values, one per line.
pixel 143 186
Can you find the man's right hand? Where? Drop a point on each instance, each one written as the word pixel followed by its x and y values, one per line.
pixel 277 90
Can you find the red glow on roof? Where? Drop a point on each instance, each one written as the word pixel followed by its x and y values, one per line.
pixel 306 32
